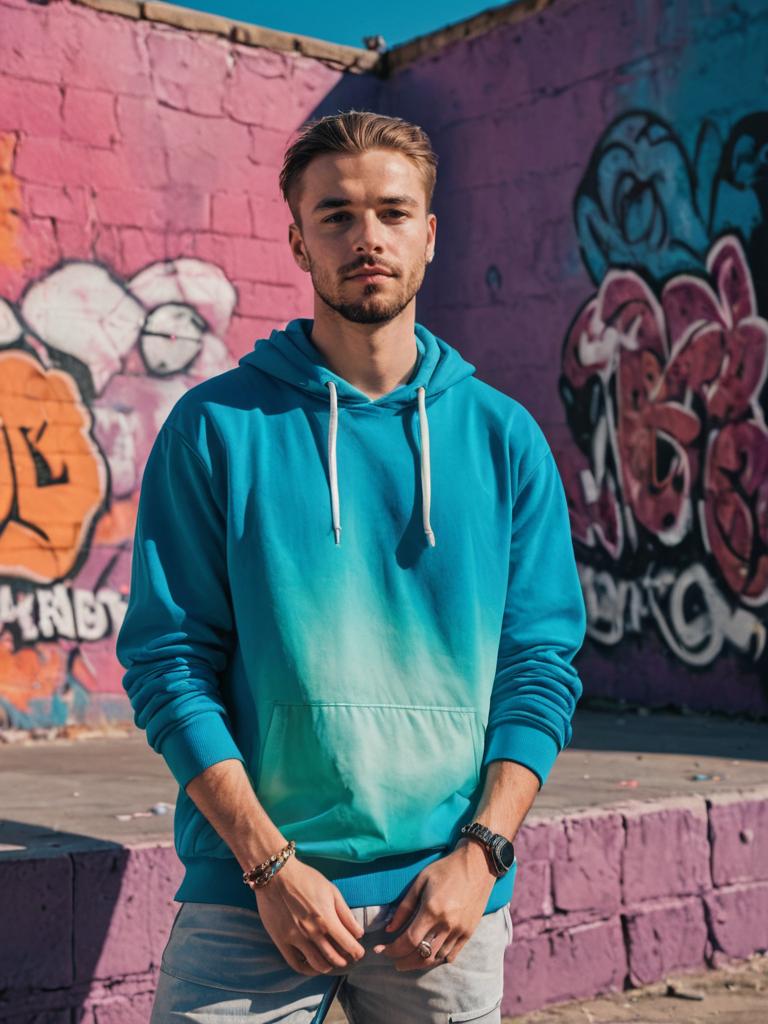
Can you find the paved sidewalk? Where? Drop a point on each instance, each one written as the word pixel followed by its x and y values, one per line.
pixel 71 793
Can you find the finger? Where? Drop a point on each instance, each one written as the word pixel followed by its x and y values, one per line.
pixel 327 950
pixel 294 957
pixel 424 923
pixel 416 962
pixel 345 914
pixel 440 945
pixel 338 932
pixel 320 953
pixel 406 906
pixel 315 959
pixel 451 950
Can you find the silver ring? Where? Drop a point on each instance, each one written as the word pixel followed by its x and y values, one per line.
pixel 425 949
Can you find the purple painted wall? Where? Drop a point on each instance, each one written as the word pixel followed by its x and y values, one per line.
pixel 602 256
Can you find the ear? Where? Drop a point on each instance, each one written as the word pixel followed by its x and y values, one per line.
pixel 431 233
pixel 296 243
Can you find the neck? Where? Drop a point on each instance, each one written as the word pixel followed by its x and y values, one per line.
pixel 374 358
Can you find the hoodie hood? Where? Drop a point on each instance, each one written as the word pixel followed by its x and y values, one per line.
pixel 291 356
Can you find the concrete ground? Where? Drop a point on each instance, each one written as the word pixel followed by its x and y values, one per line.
pixel 737 994
pixel 70 792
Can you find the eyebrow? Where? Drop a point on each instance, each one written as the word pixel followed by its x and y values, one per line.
pixel 334 202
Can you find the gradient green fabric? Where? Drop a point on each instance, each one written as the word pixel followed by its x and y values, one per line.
pixel 364 684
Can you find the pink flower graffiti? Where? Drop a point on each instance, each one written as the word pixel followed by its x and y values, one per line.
pixel 680 441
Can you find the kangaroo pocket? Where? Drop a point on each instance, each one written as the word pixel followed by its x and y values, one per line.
pixel 361 781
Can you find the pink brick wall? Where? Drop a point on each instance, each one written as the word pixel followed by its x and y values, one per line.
pixel 138 168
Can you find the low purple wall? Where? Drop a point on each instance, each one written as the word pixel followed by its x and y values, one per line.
pixel 604 899
pixel 623 896
pixel 84 931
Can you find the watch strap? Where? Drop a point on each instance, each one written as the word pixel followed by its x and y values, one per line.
pixel 490 841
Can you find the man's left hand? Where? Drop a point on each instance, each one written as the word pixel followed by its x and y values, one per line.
pixel 447 899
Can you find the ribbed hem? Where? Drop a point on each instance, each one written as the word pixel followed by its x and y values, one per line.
pixel 220 880
pixel 529 746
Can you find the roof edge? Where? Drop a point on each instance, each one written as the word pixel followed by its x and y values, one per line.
pixel 336 55
pixel 432 42
pixel 347 58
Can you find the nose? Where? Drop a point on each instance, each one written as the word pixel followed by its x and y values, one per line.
pixel 369 238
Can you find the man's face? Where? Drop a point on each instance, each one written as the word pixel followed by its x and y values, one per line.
pixel 358 211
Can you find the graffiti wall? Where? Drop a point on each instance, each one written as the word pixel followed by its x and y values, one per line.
pixel 90 366
pixel 606 211
pixel 602 256
pixel 663 381
pixel 134 262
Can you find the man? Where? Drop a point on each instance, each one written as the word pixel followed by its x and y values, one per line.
pixel 354 607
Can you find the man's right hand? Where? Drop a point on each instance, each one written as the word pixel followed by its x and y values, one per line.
pixel 304 912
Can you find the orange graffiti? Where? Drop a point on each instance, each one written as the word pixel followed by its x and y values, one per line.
pixel 10 205
pixel 52 474
pixel 30 674
pixel 118 522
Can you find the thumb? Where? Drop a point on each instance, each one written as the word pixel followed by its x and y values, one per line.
pixel 345 914
pixel 406 906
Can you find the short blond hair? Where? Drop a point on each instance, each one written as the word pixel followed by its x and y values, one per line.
pixel 355 131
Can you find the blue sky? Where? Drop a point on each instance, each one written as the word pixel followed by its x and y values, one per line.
pixel 347 22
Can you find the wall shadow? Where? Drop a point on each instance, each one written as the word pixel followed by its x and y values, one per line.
pixel 54 922
pixel 667 731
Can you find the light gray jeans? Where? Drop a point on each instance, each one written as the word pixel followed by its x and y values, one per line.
pixel 221 965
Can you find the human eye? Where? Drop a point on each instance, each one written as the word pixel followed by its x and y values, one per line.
pixel 332 218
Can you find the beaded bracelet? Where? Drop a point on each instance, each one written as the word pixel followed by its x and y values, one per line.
pixel 259 876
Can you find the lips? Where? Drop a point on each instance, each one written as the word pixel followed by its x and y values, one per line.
pixel 372 272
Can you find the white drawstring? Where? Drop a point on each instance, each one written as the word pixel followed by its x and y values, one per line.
pixel 426 483
pixel 332 429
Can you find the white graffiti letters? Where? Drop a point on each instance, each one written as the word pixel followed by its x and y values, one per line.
pixel 690 611
pixel 60 612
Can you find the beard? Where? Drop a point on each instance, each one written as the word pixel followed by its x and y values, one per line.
pixel 371 307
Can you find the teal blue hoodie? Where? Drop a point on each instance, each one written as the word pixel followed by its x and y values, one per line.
pixel 364 601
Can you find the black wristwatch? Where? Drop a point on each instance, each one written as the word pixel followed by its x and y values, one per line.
pixel 499 850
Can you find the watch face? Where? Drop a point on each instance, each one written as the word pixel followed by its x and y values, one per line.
pixel 506 854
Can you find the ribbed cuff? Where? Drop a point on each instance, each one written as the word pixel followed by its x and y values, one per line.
pixel 202 741
pixel 529 746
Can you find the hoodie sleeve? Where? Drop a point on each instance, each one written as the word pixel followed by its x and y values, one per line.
pixel 178 629
pixel 536 687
